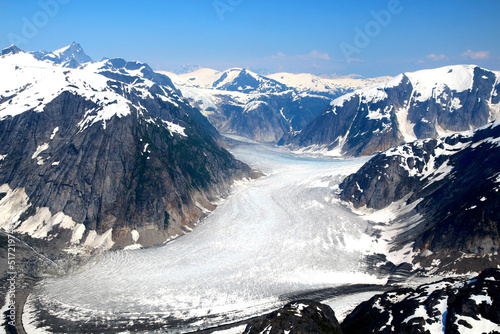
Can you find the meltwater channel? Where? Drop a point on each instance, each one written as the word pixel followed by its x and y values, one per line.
pixel 276 236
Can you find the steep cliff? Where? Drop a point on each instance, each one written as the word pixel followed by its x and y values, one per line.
pixel 447 190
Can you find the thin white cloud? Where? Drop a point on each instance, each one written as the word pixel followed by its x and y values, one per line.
pixel 356 60
pixel 279 55
pixel 476 55
pixel 435 57
pixel 314 54
pixel 318 55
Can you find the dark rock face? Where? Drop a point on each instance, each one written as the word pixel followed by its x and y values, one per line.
pixel 300 317
pixel 454 187
pixel 262 109
pixel 155 169
pixel 449 306
pixel 268 117
pixel 384 116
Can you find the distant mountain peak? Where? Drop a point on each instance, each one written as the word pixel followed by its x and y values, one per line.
pixel 73 51
pixel 414 105
pixel 13 49
pixel 69 56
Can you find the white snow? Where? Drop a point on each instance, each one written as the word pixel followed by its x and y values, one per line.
pixel 78 232
pixel 47 81
pixel 61 50
pixel 14 203
pixel 54 132
pixel 202 78
pixel 479 299
pixel 405 126
pixel 39 150
pixel 30 324
pixel 42 222
pixel 175 128
pixel 339 102
pixel 253 105
pixel 135 235
pixel 5 308
pixel 455 104
pixel 33 84
pixel 478 326
pixel 345 304
pixel 306 82
pixel 39 225
pixel 258 245
pixel 432 83
pixel 235 330
pixel 103 241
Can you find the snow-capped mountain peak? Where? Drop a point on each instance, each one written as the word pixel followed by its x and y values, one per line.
pixel 72 51
pixel 325 85
pixel 245 81
pixel 46 81
pixel 35 83
pixel 416 105
pixel 13 49
pixel 70 56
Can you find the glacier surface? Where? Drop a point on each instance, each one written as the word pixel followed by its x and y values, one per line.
pixel 273 237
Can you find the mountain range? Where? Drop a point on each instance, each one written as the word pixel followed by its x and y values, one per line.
pixel 440 195
pixel 418 105
pixel 115 155
pixel 105 155
pixel 261 108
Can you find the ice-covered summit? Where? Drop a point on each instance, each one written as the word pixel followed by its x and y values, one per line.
pixel 70 56
pixel 416 105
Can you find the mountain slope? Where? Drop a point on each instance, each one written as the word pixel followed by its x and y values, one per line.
pixel 234 80
pixel 440 195
pixel 241 80
pixel 108 155
pixel 411 106
pixel 330 87
pixel 448 306
pixel 261 110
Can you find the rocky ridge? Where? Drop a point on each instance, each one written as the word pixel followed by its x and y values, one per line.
pixel 240 102
pixel 411 106
pixel 448 306
pixel 440 195
pixel 106 155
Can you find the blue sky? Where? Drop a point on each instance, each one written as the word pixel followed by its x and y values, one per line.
pixel 371 38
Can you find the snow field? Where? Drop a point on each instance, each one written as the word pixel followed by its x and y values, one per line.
pixel 274 236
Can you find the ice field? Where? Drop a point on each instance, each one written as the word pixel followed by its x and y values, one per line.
pixel 282 234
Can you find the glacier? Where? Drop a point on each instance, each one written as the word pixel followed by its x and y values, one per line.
pixel 283 234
